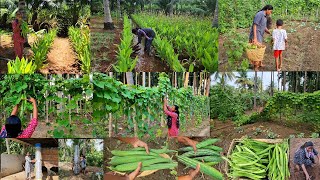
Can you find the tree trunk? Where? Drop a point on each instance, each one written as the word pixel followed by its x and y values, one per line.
pixel 144 79
pixel 175 80
pixel 108 24
pixel 110 114
pixel 305 82
pixel 171 7
pixel 255 90
pixel 84 148
pixel 200 84
pixel 208 86
pixel 296 87
pixel 195 83
pixel 149 79
pixel 284 81
pixel 186 80
pixel 317 82
pixel 215 22
pixel 8 146
pixel 129 78
pixel 119 8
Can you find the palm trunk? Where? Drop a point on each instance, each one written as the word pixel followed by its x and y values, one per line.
pixel 305 82
pixel 7 145
pixel 215 22
pixel 129 78
pixel 108 24
pixel 110 115
pixel 255 90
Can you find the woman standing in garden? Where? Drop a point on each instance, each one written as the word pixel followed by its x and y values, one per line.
pixel 305 157
pixel 18 40
pixel 172 118
pixel 259 27
pixel 12 128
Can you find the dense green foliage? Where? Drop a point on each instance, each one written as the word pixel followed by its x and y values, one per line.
pixel 80 38
pixel 125 62
pixel 189 38
pixel 240 14
pixel 143 105
pixel 62 111
pixel 230 103
pixel 303 107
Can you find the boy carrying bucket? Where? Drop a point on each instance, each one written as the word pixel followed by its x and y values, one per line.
pixel 279 37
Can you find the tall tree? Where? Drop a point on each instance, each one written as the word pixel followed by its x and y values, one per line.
pixel 243 81
pixel 222 77
pixel 215 22
pixel 255 89
pixel 129 78
pixel 108 23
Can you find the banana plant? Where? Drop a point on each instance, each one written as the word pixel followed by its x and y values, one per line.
pixel 125 62
pixel 80 38
pixel 41 48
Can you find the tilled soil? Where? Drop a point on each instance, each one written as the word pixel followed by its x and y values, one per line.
pixel 65 170
pixel 61 59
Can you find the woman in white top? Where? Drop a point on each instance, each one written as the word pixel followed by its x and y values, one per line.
pixel 27 165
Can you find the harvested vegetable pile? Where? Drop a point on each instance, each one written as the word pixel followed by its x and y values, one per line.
pixel 207 155
pixel 258 160
pixel 127 161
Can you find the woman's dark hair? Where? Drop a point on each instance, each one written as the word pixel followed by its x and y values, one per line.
pixel 306 144
pixel 135 30
pixel 279 22
pixel 267 7
pixel 13 126
pixel 177 111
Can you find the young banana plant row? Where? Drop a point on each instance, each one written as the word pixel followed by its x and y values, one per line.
pixel 41 48
pixel 80 38
pixel 189 37
pixel 21 66
pixel 125 62
pixel 164 49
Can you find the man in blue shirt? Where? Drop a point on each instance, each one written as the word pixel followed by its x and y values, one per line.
pixel 148 34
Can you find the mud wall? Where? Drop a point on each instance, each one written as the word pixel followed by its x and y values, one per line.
pixel 11 164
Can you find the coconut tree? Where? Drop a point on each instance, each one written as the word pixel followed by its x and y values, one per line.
pixel 243 81
pixel 223 77
pixel 108 23
pixel 215 22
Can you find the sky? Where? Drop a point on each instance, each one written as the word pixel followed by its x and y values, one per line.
pixel 266 79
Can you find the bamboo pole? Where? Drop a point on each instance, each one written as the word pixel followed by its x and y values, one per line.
pixel 8 147
pixel 47 104
pixel 110 114
pixel 186 80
